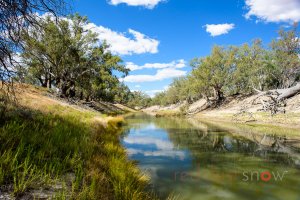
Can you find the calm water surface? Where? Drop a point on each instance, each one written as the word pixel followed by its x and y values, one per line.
pixel 196 160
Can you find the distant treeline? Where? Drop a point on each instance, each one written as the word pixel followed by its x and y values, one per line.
pixel 238 70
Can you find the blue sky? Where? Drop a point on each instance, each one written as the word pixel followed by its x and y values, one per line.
pixel 158 38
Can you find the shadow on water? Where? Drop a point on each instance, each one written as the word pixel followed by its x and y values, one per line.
pixel 200 160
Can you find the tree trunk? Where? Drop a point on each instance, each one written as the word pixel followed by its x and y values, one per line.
pixel 43 83
pixel 63 89
pixel 49 81
pixel 87 99
pixel 218 94
pixel 72 91
pixel 289 92
pixel 81 95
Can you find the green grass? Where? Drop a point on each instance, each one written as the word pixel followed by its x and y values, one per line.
pixel 40 149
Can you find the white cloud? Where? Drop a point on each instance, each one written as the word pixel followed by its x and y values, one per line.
pixel 274 10
pixel 160 75
pixel 124 45
pixel 137 86
pixel 218 29
pixel 162 153
pixel 163 147
pixel 142 140
pixel 174 64
pixel 146 3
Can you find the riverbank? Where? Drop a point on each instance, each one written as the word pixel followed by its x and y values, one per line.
pixel 234 109
pixel 51 149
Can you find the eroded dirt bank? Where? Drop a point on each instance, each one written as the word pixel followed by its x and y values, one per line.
pixel 236 109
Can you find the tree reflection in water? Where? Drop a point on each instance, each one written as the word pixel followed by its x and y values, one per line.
pixel 207 160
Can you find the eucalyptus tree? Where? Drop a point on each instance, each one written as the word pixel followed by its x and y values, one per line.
pixel 139 99
pixel 65 55
pixel 241 70
pixel 159 99
pixel 106 84
pixel 214 71
pixel 252 68
pixel 17 16
pixel 285 57
pixel 122 94
pixel 199 80
pixel 58 52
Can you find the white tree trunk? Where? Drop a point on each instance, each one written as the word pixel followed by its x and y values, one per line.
pixel 289 92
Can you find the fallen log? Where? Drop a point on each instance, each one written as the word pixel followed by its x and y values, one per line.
pixel 281 93
pixel 289 92
pixel 276 98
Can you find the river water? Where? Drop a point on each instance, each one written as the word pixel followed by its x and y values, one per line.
pixel 203 160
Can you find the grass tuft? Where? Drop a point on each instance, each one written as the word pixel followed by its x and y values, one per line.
pixel 74 153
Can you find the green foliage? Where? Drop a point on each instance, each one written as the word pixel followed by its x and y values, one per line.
pixel 285 57
pixel 122 94
pixel 63 54
pixel 238 70
pixel 215 70
pixel 160 99
pixel 139 100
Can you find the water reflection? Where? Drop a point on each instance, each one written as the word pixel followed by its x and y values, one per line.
pixel 206 161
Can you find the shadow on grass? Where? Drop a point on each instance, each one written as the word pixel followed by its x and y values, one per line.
pixel 67 157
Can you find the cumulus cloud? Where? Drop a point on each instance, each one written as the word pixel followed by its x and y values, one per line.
pixel 218 29
pixel 122 44
pixel 174 64
pixel 160 75
pixel 150 4
pixel 274 10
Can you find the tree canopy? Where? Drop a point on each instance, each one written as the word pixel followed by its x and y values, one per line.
pixel 238 70
pixel 65 55
pixel 17 16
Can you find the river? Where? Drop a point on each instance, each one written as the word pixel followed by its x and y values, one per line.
pixel 199 160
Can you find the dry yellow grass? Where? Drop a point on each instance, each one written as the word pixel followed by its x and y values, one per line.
pixel 36 98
